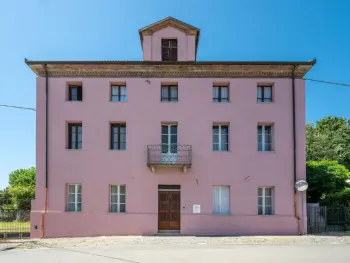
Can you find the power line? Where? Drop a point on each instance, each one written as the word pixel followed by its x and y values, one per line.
pixel 18 107
pixel 328 82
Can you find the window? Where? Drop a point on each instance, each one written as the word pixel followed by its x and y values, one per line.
pixel 264 94
pixel 117 199
pixel 169 49
pixel 169 93
pixel 74 198
pixel 264 138
pixel 220 138
pixel 75 136
pixel 221 195
pixel 220 94
pixel 75 93
pixel 118 136
pixel 118 93
pixel 169 138
pixel 265 201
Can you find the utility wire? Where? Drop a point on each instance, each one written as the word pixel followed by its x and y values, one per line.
pixel 18 107
pixel 315 80
pixel 328 82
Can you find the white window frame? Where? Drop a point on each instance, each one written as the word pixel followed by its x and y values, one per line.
pixel 263 197
pixel 220 137
pixel 221 210
pixel 264 147
pixel 76 193
pixel 118 194
pixel 172 147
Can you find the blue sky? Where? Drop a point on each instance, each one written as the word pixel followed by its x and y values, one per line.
pixel 108 30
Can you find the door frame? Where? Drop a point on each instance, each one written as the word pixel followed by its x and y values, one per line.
pixel 175 188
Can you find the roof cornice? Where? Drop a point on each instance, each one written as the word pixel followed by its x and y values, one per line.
pixel 179 69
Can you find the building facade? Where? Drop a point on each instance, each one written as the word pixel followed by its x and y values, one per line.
pixel 169 144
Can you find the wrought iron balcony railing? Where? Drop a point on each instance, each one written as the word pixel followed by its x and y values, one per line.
pixel 169 155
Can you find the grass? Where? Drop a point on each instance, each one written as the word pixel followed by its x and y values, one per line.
pixel 14 226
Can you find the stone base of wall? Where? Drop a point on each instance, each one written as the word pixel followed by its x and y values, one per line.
pixel 64 224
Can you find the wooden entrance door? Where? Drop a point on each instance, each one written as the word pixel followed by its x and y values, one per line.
pixel 169 210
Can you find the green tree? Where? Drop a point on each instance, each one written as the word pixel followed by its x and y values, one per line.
pixel 329 139
pixel 5 197
pixel 339 198
pixel 21 189
pixel 325 178
pixel 21 196
pixel 24 177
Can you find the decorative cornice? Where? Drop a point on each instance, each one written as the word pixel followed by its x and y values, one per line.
pixel 169 22
pixel 174 70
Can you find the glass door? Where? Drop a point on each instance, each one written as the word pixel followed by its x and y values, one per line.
pixel 169 138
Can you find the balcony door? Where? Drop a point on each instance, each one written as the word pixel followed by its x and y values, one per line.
pixel 169 143
pixel 169 138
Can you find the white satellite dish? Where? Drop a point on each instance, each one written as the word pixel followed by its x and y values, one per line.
pixel 301 186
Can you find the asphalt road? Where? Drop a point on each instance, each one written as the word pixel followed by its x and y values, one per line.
pixel 200 253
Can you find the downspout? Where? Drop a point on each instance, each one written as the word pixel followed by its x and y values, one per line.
pixel 46 149
pixel 296 215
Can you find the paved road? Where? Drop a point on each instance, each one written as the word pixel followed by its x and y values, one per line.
pixel 200 253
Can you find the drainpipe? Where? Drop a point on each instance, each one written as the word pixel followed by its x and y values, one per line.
pixel 46 149
pixel 296 215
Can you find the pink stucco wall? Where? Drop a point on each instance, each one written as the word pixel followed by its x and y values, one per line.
pixel 96 167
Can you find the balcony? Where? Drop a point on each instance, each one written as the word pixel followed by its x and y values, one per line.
pixel 169 155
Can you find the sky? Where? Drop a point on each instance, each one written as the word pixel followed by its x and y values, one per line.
pixel 275 30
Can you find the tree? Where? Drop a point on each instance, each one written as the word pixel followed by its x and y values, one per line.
pixel 329 139
pixel 22 177
pixel 325 178
pixel 21 189
pixel 5 197
pixel 339 198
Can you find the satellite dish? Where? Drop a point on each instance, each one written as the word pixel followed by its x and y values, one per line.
pixel 301 186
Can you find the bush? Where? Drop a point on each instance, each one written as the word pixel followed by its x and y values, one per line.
pixel 325 178
pixel 341 198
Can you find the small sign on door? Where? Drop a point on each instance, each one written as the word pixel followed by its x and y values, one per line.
pixel 196 209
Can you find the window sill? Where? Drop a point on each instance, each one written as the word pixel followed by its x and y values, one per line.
pixel 74 101
pixel 221 102
pixel 73 211
pixel 268 102
pixel 267 151
pixel 169 101
pixel 218 151
pixel 267 215
pixel 229 214
pixel 117 150
pixel 74 149
pixel 112 101
pixel 117 213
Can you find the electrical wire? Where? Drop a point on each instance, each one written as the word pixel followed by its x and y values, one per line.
pixel 18 107
pixel 328 82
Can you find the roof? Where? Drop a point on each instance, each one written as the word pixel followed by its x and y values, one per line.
pixel 170 22
pixel 179 69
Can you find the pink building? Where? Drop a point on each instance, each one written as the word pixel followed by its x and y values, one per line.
pixel 169 144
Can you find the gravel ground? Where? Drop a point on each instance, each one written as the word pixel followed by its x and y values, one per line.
pixel 141 241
